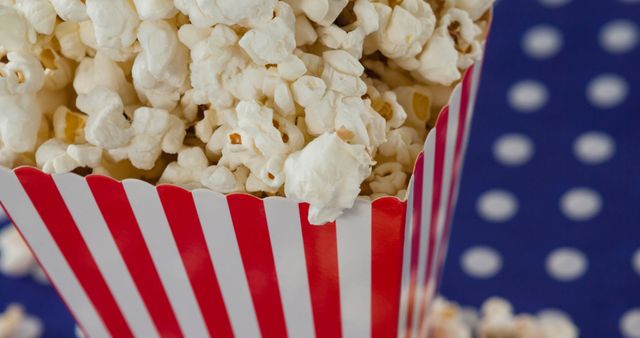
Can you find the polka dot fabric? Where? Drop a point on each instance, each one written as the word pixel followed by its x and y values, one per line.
pixel 549 207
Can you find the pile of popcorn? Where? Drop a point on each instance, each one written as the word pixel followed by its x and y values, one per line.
pixel 496 320
pixel 317 100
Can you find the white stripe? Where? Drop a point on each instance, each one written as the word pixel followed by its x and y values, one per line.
pixel 283 219
pixel 406 263
pixel 425 227
pixel 22 211
pixel 92 227
pixel 220 236
pixel 353 232
pixel 155 229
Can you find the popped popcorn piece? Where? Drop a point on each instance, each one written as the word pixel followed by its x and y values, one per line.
pixel 23 74
pixel 385 102
pixel 114 24
pixel 70 10
pixel 106 127
pixel 58 72
pixel 15 257
pixel 357 122
pixel 101 71
pixel 304 32
pixel 329 186
pixel 446 321
pixel 20 119
pixel 291 68
pixel 68 126
pixel 40 14
pixel 308 90
pixel 188 170
pixel 404 28
pixel 417 102
pixel 323 12
pixel 155 9
pixel 71 46
pixel 388 178
pixel 454 46
pixel 272 42
pixel 223 180
pixel 475 8
pixel 228 12
pixel 342 73
pixel 16 34
pixel 403 146
pixel 56 157
pixel 15 323
pixel 154 131
pixel 160 69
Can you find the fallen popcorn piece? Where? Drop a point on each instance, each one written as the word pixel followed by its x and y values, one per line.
pixel 15 323
pixel 329 186
pixel 15 257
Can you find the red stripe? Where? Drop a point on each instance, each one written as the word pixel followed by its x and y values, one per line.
pixel 115 208
pixel 252 234
pixel 438 170
pixel 54 213
pixel 181 213
pixel 457 167
pixel 387 243
pixel 321 254
pixel 418 177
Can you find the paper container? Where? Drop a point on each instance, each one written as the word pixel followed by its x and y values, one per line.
pixel 130 259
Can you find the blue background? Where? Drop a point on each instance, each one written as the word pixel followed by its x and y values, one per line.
pixel 596 300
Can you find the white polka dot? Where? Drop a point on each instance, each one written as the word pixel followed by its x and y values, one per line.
pixel 594 147
pixel 481 262
pixel 528 96
pixel 542 42
pixel 580 204
pixel 607 91
pixel 513 149
pixel 566 264
pixel 630 323
pixel 497 206
pixel 554 3
pixel 619 36
pixel 636 261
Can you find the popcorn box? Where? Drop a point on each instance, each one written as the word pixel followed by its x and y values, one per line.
pixel 131 259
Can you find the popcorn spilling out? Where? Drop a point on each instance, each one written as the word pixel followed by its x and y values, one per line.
pixel 321 101
pixel 496 320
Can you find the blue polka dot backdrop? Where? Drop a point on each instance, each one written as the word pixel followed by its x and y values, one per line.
pixel 548 214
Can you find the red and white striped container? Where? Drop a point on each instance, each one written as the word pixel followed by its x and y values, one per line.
pixel 134 260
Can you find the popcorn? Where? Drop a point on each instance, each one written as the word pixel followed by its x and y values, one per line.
pixel 228 12
pixel 70 10
pixel 154 131
pixel 15 323
pixel 39 13
pixel 15 257
pixel 274 41
pixel 446 321
pixel 404 28
pixel 160 69
pixel 155 9
pixel 106 126
pixel 56 157
pixel 329 186
pixel 101 71
pixel 114 24
pixel 16 34
pixel 454 45
pixel 388 179
pixel 312 99
pixel 20 120
pixel 23 74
